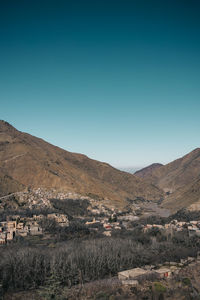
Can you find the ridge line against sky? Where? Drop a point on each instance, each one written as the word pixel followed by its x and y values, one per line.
pixel 116 80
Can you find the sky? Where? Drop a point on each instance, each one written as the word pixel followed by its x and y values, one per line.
pixel 117 80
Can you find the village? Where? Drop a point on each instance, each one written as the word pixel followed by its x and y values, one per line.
pixel 22 226
pixel 125 222
pixel 28 226
pixel 192 227
pixel 97 217
pixel 106 224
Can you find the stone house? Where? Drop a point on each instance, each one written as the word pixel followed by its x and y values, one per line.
pixel 136 274
pixel 33 228
pixel 163 273
pixel 20 226
pixel 10 235
pixel 61 219
pixel 2 238
pixel 11 225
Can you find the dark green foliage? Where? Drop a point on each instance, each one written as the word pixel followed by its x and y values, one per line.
pixel 25 213
pixel 75 229
pixel 71 207
pixel 112 219
pixel 186 281
pixel 159 287
pixel 154 220
pixel 49 225
pixel 102 296
pixel 185 215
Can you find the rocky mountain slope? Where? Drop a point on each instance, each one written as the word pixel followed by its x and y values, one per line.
pixel 178 173
pixel 29 161
pixel 9 185
pixel 146 172
pixel 180 180
pixel 185 197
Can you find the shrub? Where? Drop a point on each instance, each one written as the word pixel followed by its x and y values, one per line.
pixel 186 281
pixel 159 287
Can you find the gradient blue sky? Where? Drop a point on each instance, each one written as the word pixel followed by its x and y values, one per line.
pixel 116 80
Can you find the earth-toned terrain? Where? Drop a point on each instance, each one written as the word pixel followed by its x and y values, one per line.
pixel 30 162
pixel 180 180
pixel 27 161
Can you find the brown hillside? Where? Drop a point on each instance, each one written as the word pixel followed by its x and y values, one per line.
pixel 181 179
pixel 186 197
pixel 146 172
pixel 33 162
pixel 178 173
pixel 8 185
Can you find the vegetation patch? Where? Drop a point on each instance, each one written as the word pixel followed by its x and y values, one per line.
pixel 186 281
pixel 71 207
pixel 159 287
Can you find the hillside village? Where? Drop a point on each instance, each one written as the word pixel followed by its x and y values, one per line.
pixel 22 226
pixel 192 227
pixel 101 219
pixel 97 217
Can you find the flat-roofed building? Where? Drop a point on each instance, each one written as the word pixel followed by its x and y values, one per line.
pixel 163 272
pixel 136 274
pixel 11 225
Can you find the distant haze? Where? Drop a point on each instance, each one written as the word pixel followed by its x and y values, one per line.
pixel 131 170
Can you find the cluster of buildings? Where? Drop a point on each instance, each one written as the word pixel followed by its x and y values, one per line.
pixel 23 226
pixel 105 224
pixel 193 227
pixel 151 273
pixel 61 219
pixel 108 227
pixel 18 227
pixel 40 197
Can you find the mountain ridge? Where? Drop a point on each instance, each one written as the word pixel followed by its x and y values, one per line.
pixel 147 171
pixel 179 172
pixel 180 180
pixel 34 162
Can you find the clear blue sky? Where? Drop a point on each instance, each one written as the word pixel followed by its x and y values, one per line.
pixel 116 80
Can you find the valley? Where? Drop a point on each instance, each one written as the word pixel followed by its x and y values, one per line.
pixel 84 222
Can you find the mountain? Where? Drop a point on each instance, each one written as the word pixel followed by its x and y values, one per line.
pixel 131 170
pixel 186 197
pixel 31 162
pixel 147 171
pixel 8 185
pixel 180 179
pixel 178 173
